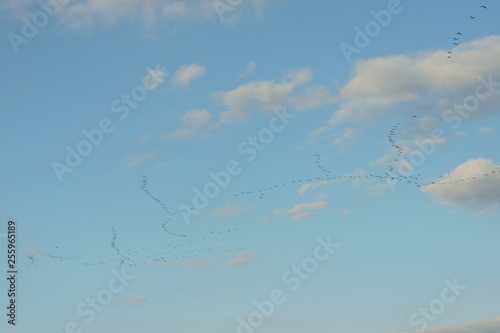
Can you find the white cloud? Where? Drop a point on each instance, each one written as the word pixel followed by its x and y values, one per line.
pixel 241 259
pixel 87 13
pixel 185 74
pixel 299 76
pixel 250 68
pixel 311 186
pixel 318 131
pixel 151 14
pixel 267 96
pixel 303 210
pixel 175 10
pixel 195 118
pixel 485 130
pixel 379 84
pixel 312 97
pixel 474 184
pixel 229 210
pixel 191 123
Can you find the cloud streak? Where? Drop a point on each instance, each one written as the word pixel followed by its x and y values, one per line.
pixel 86 14
pixel 241 259
pixel 303 211
pixel 484 326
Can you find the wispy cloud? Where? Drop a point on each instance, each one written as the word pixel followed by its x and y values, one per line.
pixel 241 259
pixel 191 124
pixel 483 326
pixel 185 74
pixel 152 14
pixel 311 186
pixel 486 130
pixel 303 211
pixel 229 211
pixel 250 68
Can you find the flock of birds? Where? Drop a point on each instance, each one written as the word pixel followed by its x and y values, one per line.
pixel 391 174
pixel 170 252
pixel 34 262
pixel 167 254
pixel 170 214
pixel 184 250
pixel 458 35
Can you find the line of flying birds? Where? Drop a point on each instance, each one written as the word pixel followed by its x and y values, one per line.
pixel 458 35
pixel 169 253
pixel 415 180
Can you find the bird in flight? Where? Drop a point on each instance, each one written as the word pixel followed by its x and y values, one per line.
pixel 483 7
pixel 458 33
pixel 472 17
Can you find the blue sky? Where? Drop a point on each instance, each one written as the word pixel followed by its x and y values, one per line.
pixel 251 166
